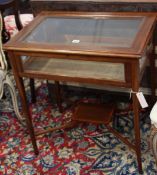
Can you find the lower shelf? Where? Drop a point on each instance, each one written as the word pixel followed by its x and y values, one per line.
pixel 95 113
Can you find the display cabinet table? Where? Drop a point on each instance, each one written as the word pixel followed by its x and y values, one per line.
pixel 97 48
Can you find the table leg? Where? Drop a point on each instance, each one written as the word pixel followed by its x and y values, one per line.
pixel 25 108
pixel 152 73
pixel 137 132
pixel 32 88
pixel 135 88
pixel 57 92
pixel 20 86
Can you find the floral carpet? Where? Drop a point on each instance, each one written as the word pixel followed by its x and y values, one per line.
pixel 86 149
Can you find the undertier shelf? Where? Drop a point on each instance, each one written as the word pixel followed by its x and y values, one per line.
pixel 95 113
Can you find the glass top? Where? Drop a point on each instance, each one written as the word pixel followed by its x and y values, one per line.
pixel 97 32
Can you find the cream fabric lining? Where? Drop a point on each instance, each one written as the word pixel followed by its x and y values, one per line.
pixel 77 68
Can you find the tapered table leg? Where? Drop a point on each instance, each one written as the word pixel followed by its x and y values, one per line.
pixel 152 73
pixel 135 89
pixel 25 108
pixel 137 132
pixel 57 91
pixel 32 88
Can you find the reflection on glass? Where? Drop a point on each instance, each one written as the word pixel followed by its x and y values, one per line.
pixel 108 32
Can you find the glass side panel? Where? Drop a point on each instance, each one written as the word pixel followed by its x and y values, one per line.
pixel 106 32
pixel 75 68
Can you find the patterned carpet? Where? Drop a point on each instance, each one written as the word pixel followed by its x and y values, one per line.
pixel 87 149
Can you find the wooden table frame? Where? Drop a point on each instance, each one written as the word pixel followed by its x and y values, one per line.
pixel 130 59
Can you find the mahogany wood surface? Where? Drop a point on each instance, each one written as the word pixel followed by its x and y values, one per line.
pixel 95 113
